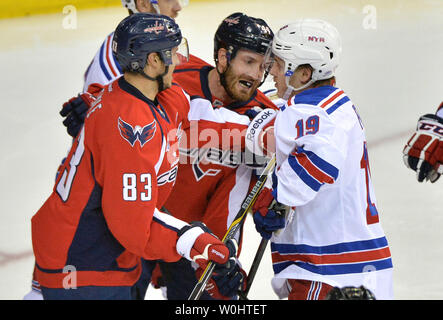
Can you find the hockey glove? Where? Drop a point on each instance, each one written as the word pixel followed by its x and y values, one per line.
pixel 259 139
pixel 423 152
pixel 196 244
pixel 269 215
pixel 225 286
pixel 350 293
pixel 74 111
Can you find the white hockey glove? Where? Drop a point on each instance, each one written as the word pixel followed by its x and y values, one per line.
pixel 196 243
pixel 259 139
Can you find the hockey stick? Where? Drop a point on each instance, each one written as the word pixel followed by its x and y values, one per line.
pixel 243 295
pixel 246 205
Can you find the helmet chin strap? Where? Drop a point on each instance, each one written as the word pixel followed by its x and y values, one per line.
pixel 291 89
pixel 154 4
pixel 159 78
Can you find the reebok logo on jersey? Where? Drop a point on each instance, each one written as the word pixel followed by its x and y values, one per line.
pixel 132 134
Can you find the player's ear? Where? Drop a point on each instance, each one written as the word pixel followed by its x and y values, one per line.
pixel 306 73
pixel 222 60
pixel 153 63
pixel 154 59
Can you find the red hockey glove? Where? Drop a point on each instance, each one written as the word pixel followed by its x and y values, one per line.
pixel 225 285
pixel 269 215
pixel 423 152
pixel 74 111
pixel 196 243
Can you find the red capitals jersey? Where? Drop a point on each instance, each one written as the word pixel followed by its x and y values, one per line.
pixel 102 215
pixel 211 184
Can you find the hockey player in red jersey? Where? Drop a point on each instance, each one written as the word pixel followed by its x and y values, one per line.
pixel 103 216
pixel 103 69
pixel 211 184
pixel 423 152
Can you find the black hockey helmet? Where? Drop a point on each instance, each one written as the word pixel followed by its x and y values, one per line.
pixel 241 31
pixel 140 34
pixel 350 293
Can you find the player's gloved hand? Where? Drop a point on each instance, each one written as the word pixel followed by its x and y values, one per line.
pixel 350 293
pixel 74 111
pixel 196 244
pixel 259 138
pixel 225 283
pixel 269 215
pixel 253 112
pixel 423 152
pixel 157 277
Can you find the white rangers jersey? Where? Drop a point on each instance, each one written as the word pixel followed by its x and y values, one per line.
pixel 104 68
pixel 333 235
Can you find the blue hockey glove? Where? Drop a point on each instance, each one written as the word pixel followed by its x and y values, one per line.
pixel 269 215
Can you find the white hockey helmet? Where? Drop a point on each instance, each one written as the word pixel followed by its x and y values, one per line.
pixel 130 5
pixel 308 41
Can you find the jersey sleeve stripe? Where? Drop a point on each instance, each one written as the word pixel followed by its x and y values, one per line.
pixel 320 163
pixel 329 99
pixel 339 103
pixel 301 172
pixel 312 170
pixel 102 63
pixel 315 172
pixel 109 56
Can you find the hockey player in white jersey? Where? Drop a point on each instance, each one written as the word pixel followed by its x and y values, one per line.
pixel 332 235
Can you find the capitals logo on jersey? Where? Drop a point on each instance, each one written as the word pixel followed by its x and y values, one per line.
pixel 132 134
pixel 227 158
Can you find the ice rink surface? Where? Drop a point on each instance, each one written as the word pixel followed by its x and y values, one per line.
pixel 391 68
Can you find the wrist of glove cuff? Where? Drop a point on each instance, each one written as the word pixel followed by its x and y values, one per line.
pixel 201 247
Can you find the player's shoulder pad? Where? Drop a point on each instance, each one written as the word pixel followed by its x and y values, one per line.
pixel 327 98
pixel 173 94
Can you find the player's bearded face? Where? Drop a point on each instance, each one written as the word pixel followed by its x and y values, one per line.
pixel 244 75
